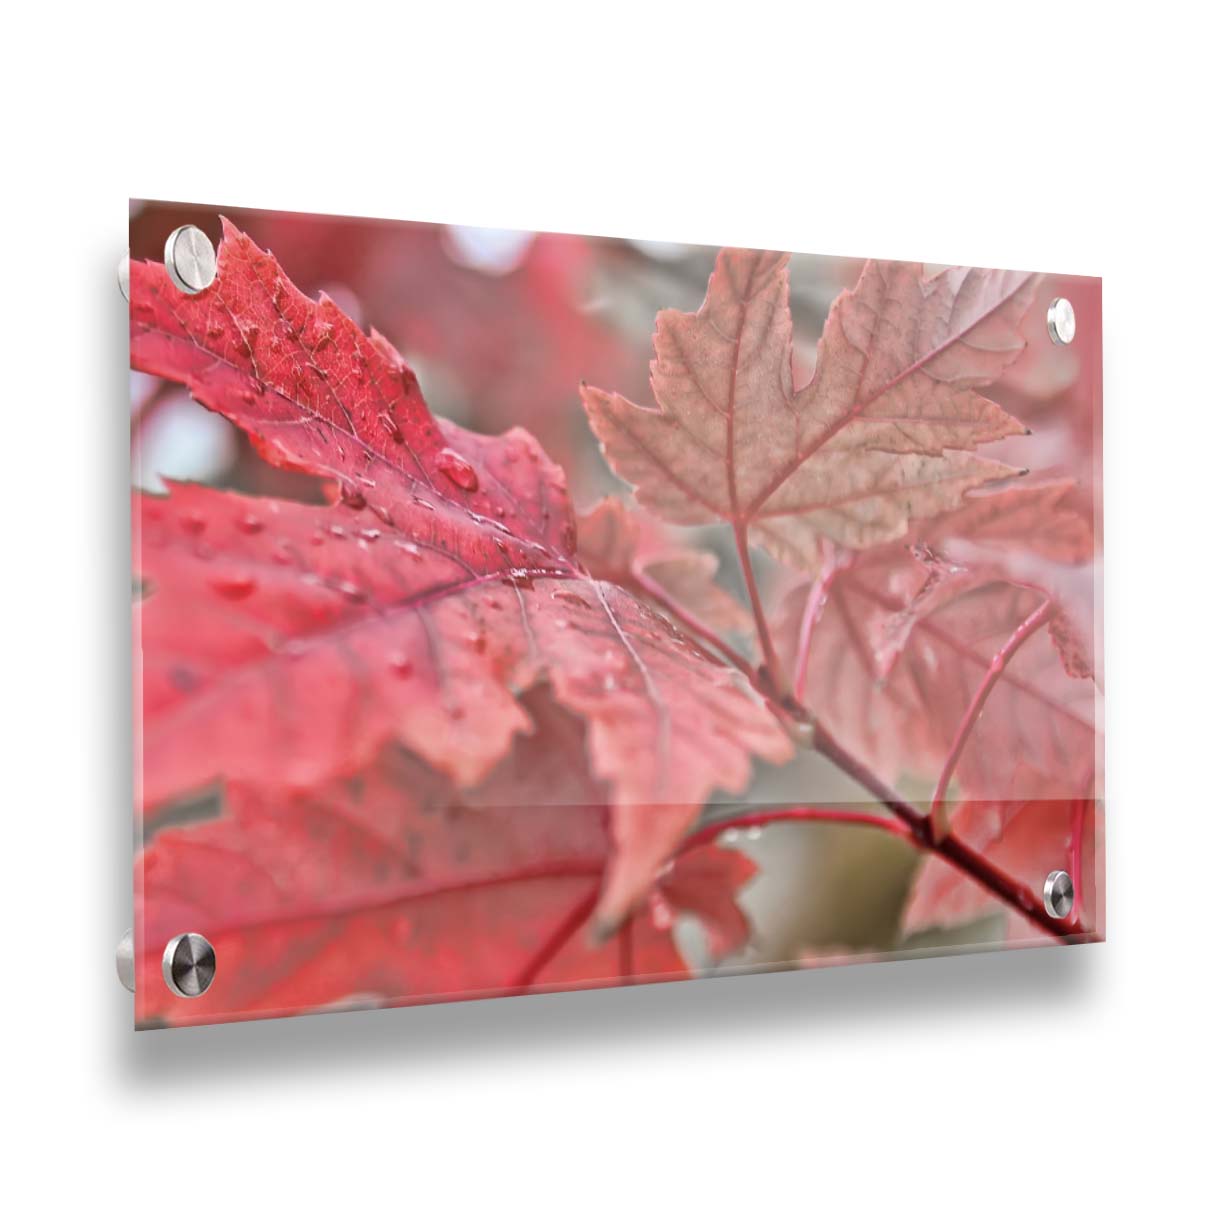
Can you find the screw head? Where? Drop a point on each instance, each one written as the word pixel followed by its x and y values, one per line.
pixel 190 259
pixel 1059 894
pixel 189 965
pixel 1060 321
pixel 125 962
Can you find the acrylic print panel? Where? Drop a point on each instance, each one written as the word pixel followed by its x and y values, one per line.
pixel 525 612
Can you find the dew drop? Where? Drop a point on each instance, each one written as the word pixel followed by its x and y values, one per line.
pixel 458 469
pixel 250 525
pixel 193 523
pixel 401 665
pixel 370 533
pixel 354 594
pixel 336 530
pixel 233 586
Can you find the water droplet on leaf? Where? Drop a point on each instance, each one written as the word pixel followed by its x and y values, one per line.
pixel 401 665
pixel 458 469
pixel 233 586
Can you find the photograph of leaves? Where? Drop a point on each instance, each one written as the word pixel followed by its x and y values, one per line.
pixel 660 635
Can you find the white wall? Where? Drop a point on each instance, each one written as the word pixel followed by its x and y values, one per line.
pixel 1009 1087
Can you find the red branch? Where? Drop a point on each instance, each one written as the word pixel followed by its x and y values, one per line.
pixel 1024 631
pixel 950 848
pixel 912 827
pixel 757 820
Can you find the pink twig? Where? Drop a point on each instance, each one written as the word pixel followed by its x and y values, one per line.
pixel 773 669
pixel 796 815
pixel 938 816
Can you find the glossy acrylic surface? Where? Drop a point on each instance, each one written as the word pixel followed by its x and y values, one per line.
pixel 520 612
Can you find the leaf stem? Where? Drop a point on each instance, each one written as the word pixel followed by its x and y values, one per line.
pixel 940 823
pixel 795 815
pixel 565 930
pixel 773 669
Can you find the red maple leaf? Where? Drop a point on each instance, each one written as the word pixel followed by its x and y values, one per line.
pixel 285 644
pixel 510 347
pixel 366 890
pixel 1039 535
pixel 881 435
pixel 892 667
